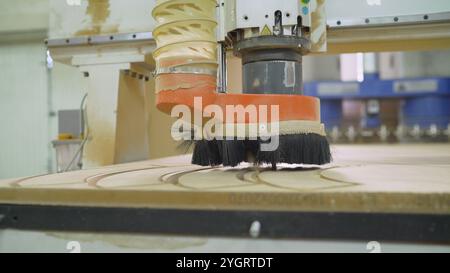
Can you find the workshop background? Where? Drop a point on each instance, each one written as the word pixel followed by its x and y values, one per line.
pixel 33 88
pixel 86 89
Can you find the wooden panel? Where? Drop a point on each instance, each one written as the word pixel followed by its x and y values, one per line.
pixel 131 134
pixel 372 178
pixel 102 105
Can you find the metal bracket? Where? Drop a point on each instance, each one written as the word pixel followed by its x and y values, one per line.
pixel 101 39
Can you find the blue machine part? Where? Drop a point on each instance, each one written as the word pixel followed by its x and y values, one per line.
pixel 372 76
pixel 425 111
pixel 331 113
pixel 427 100
pixel 372 87
pixel 371 122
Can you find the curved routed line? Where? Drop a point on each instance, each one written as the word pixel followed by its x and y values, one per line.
pixel 17 183
pixel 174 179
pixel 350 184
pixel 347 184
pixel 94 180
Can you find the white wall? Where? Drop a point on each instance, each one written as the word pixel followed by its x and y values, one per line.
pixel 29 92
pixel 23 19
pixel 24 147
pixel 68 87
pixel 415 64
pixel 321 68
pixel 393 65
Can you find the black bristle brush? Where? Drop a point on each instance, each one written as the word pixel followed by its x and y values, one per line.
pixel 310 149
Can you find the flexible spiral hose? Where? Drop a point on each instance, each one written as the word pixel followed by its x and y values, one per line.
pixel 186 54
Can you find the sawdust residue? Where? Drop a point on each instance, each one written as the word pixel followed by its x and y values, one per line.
pixel 99 12
pixel 99 150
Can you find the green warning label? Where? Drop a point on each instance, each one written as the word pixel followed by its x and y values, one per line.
pixel 266 31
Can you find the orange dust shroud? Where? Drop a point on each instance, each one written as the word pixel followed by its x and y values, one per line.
pixel 181 89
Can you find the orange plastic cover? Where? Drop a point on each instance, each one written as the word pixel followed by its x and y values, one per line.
pixel 181 89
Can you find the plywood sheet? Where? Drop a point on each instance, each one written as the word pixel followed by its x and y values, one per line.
pixel 369 178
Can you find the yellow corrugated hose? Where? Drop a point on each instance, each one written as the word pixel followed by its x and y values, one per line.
pixel 186 38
